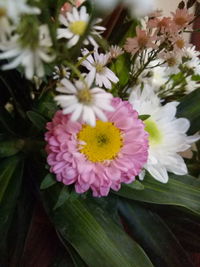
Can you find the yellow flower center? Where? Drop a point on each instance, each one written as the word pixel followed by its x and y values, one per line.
pixel 85 96
pixel 155 136
pixel 99 67
pixel 78 27
pixel 171 61
pixel 102 142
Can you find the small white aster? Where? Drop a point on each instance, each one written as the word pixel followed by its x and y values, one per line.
pixel 31 59
pixel 115 51
pixel 167 134
pixel 61 72
pixel 172 61
pixel 14 9
pixel 97 64
pixel 75 23
pixel 83 102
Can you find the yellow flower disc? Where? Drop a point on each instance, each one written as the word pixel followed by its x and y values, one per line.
pixel 102 142
pixel 78 27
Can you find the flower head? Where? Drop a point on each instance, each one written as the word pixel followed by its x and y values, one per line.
pixel 76 23
pixel 13 9
pixel 30 57
pixel 97 64
pixel 182 18
pixel 142 41
pixel 167 134
pixel 115 51
pixel 83 102
pixel 99 158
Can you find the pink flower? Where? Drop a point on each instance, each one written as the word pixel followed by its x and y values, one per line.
pixel 142 40
pixel 99 158
pixel 182 18
pixel 162 25
pixel 68 7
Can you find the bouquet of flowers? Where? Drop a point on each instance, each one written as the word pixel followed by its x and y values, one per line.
pixel 99 124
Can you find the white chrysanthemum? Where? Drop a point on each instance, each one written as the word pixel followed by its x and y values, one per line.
pixel 83 102
pixel 76 23
pixel 30 58
pixel 167 134
pixel 97 64
pixel 14 9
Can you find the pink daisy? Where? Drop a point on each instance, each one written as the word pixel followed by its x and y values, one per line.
pixel 99 158
pixel 182 18
pixel 142 40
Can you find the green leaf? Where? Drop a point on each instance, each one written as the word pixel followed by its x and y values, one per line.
pixel 144 117
pixel 190 109
pixel 48 181
pixel 136 185
pixel 176 192
pixel 38 120
pixel 10 147
pixel 154 236
pixel 93 233
pixel 11 171
pixel 63 196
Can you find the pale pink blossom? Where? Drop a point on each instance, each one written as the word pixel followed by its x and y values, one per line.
pixel 142 41
pixel 182 18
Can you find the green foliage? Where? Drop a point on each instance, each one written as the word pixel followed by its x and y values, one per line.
pixel 190 108
pixel 85 222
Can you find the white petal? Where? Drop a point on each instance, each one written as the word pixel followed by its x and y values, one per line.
pixel 158 172
pixel 77 113
pixel 70 88
pixel 90 77
pixel 88 116
pixel 73 41
pixel 99 113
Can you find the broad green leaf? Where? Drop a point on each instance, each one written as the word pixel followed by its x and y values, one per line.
pixel 190 109
pixel 10 147
pixel 48 181
pixel 136 185
pixel 154 236
pixel 176 192
pixel 11 170
pixel 93 233
pixel 38 120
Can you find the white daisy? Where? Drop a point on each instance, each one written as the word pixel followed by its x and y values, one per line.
pixel 30 58
pixel 13 9
pixel 76 23
pixel 172 61
pixel 83 102
pixel 115 51
pixel 97 64
pixel 167 134
pixel 61 72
